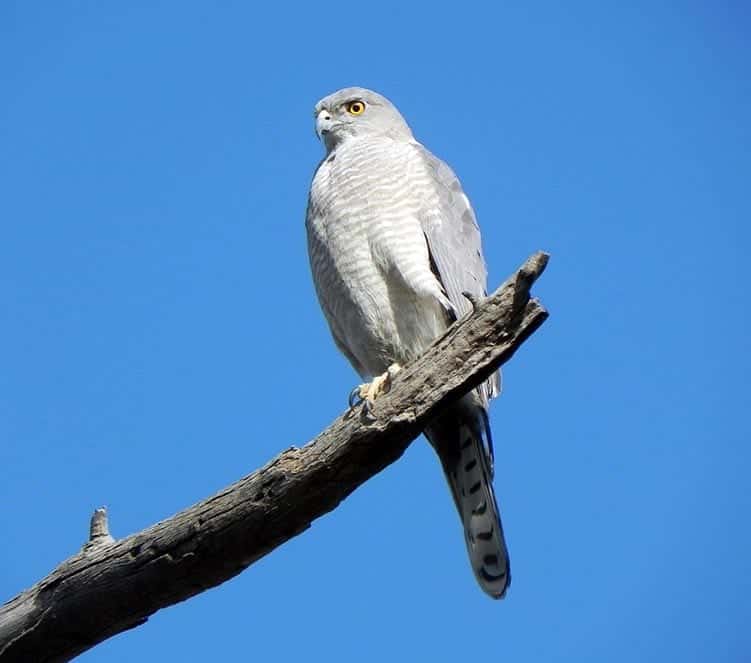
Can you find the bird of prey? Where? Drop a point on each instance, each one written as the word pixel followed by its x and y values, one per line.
pixel 395 253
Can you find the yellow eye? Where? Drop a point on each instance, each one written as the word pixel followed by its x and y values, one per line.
pixel 355 107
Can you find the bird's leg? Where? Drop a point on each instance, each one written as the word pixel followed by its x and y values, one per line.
pixel 380 384
pixel 368 392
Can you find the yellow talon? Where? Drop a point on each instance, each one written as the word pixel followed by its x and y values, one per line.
pixel 381 384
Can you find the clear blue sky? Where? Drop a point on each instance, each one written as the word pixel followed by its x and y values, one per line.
pixel 160 338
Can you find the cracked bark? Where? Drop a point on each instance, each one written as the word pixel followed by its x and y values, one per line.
pixel 111 586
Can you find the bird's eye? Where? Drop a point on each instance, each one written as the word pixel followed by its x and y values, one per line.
pixel 355 107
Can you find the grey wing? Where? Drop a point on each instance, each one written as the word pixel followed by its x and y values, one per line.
pixel 454 243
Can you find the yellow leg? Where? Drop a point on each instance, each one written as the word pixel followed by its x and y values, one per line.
pixel 380 384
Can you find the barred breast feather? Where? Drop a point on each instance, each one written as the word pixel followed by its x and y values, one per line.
pixel 369 256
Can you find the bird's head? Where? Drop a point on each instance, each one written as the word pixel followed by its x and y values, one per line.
pixel 357 112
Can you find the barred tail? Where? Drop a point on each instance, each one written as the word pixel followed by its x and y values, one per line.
pixel 457 436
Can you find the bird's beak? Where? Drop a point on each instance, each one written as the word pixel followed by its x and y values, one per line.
pixel 324 123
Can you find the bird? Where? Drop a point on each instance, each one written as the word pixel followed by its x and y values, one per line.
pixel 396 257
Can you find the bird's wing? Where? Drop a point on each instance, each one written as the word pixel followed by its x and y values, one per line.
pixel 453 238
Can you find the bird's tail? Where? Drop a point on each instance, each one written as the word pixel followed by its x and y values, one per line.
pixel 459 436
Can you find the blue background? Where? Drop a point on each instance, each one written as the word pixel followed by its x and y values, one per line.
pixel 160 338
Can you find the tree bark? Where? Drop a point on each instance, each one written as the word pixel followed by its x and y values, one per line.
pixel 111 586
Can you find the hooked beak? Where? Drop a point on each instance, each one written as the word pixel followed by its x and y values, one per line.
pixel 324 123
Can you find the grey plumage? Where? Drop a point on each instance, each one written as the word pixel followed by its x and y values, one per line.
pixel 393 245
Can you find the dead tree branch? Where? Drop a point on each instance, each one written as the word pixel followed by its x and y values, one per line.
pixel 111 586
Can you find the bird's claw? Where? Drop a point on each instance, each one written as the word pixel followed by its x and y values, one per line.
pixel 367 410
pixel 359 396
pixel 355 398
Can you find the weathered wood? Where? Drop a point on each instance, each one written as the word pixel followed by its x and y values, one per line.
pixel 111 586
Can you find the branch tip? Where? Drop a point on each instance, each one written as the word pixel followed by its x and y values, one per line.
pixel 99 529
pixel 527 274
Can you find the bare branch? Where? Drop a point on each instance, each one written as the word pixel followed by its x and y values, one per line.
pixel 111 586
pixel 99 531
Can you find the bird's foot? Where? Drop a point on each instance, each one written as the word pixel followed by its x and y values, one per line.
pixel 368 392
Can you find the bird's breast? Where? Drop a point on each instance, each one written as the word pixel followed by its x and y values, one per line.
pixel 365 205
